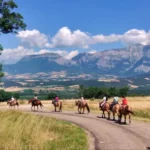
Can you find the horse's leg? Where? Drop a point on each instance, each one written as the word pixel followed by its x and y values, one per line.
pixel 37 107
pixel 129 118
pixel 83 109
pixel 124 119
pixel 108 114
pixel 120 118
pixel 55 108
pixel 113 115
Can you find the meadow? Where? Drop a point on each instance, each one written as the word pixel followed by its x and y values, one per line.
pixel 24 131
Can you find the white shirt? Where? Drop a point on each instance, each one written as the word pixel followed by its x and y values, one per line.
pixel 104 98
pixel 12 99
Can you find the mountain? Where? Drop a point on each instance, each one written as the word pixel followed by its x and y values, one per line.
pixel 131 61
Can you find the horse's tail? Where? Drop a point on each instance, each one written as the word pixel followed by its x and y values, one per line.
pixel 17 103
pixel 41 105
pixel 87 106
pixel 130 111
pixel 61 106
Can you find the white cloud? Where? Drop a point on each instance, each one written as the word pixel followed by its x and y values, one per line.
pixel 92 51
pixel 135 36
pixel 78 39
pixel 10 56
pixel 72 54
pixel 65 54
pixel 33 38
pixel 66 38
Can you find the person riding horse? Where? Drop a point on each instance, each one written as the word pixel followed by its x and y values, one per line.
pixel 56 100
pixel 34 99
pixel 105 99
pixel 124 102
pixel 115 101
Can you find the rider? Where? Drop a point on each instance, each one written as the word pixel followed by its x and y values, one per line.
pixel 115 101
pixel 124 101
pixel 82 100
pixel 34 99
pixel 12 99
pixel 105 99
pixel 56 98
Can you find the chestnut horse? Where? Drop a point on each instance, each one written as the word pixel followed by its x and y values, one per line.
pixel 12 103
pixel 115 110
pixel 105 107
pixel 125 110
pixel 35 103
pixel 82 105
pixel 57 104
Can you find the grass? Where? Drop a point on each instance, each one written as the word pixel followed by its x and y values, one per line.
pixel 24 131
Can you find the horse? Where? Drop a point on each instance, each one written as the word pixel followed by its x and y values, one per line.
pixel 57 104
pixel 105 107
pixel 35 103
pixel 115 110
pixel 82 105
pixel 12 103
pixel 125 110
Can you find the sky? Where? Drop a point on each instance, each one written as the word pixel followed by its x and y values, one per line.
pixel 69 27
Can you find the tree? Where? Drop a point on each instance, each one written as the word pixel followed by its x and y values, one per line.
pixel 10 21
pixel 123 91
pixel 16 95
pixel 51 95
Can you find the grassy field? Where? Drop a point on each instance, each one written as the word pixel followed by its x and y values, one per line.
pixel 23 131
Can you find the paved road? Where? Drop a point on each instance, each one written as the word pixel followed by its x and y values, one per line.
pixel 108 135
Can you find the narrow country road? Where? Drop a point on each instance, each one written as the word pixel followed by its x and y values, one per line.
pixel 108 135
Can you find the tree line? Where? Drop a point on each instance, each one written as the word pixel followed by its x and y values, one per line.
pixel 96 92
pixel 4 96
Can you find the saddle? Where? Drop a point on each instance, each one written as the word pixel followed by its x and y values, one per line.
pixel 56 103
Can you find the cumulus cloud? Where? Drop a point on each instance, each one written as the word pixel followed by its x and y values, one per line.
pixel 33 38
pixel 135 36
pixel 92 51
pixel 66 38
pixel 78 39
pixel 11 56
pixel 65 54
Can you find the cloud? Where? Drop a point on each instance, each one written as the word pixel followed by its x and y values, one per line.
pixel 33 38
pixel 135 36
pixel 65 38
pixel 11 56
pixel 92 51
pixel 65 54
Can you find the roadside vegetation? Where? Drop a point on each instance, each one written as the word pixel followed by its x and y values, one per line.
pixel 23 131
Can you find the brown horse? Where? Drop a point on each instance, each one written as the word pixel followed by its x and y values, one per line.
pixel 125 110
pixel 13 103
pixel 35 103
pixel 105 107
pixel 82 105
pixel 115 110
pixel 57 104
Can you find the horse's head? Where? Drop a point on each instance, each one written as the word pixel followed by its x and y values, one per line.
pixel 52 101
pixel 8 102
pixel 76 103
pixel 29 101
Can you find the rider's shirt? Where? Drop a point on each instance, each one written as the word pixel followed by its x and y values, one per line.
pixel 56 98
pixel 116 99
pixel 124 101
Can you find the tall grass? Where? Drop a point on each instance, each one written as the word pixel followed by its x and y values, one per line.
pixel 23 131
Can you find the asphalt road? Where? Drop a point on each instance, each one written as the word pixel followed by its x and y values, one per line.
pixel 106 135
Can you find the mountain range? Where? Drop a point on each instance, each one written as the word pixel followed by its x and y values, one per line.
pixel 131 61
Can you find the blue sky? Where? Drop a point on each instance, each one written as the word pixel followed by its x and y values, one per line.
pixel 80 25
